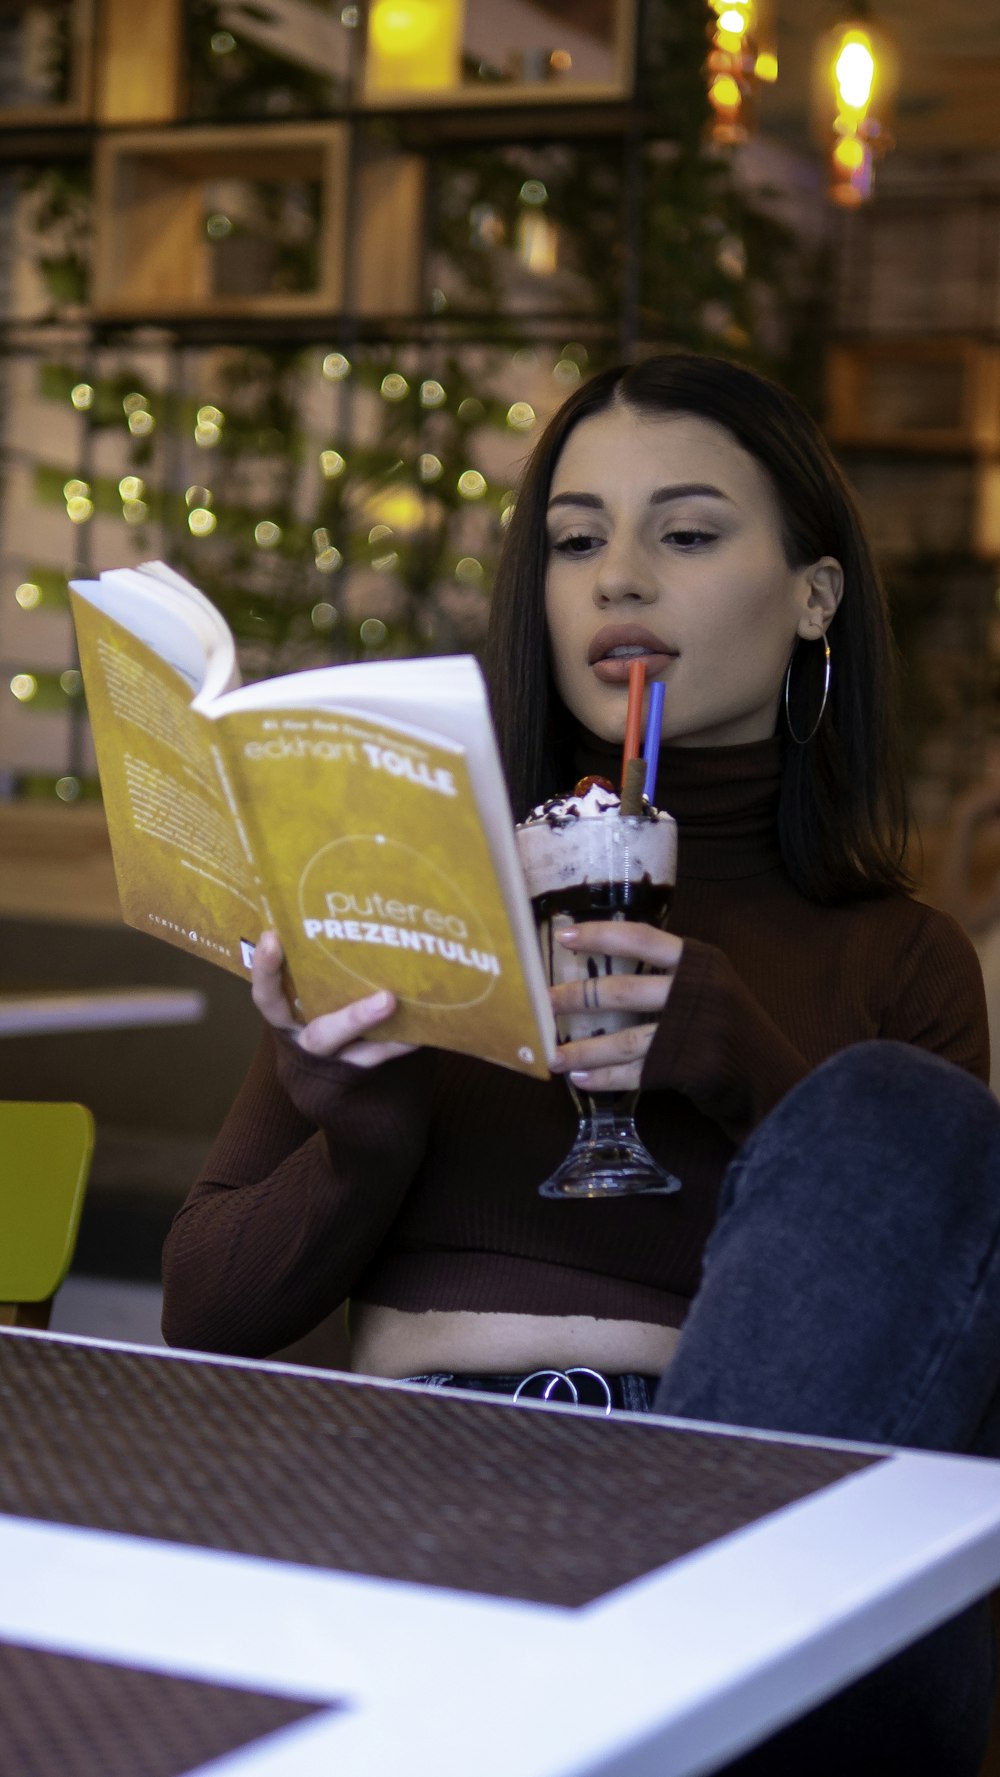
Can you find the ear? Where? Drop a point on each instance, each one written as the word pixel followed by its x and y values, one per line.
pixel 823 588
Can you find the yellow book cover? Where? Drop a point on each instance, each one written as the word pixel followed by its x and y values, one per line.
pixel 359 810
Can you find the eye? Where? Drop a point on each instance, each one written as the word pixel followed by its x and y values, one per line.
pixel 577 543
pixel 690 539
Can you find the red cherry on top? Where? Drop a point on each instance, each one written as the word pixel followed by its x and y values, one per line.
pixel 592 783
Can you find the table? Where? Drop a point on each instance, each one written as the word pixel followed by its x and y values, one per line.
pixel 320 1573
pixel 106 1008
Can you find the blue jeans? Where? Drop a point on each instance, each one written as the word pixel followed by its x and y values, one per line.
pixel 851 1289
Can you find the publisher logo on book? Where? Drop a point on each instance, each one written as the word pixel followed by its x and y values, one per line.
pixel 390 917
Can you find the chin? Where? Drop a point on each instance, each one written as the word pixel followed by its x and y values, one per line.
pixel 604 716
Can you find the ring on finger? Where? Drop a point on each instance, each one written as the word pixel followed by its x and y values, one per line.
pixel 591 998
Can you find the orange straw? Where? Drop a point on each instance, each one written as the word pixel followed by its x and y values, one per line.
pixel 633 719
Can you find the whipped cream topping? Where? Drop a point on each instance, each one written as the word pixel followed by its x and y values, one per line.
pixel 559 810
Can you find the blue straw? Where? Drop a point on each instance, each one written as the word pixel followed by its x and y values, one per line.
pixel 651 750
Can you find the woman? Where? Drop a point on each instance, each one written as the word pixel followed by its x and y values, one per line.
pixel 686 509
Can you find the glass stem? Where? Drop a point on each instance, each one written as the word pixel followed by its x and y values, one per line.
pixel 605 1115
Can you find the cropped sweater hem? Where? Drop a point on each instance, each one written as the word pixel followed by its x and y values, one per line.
pixel 505 1283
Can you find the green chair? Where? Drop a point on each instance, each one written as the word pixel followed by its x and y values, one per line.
pixel 45 1152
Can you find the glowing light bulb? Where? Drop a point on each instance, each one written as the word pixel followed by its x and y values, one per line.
pixel 414 45
pixel 398 507
pixel 724 93
pixel 854 70
pixel 849 153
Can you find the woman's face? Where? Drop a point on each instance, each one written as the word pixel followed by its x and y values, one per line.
pixel 665 541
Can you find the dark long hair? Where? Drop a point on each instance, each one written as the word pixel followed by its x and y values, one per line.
pixel 842 808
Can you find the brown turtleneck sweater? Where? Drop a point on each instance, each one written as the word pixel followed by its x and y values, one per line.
pixel 415 1185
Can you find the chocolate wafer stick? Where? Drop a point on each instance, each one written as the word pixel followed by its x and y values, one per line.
pixel 632 787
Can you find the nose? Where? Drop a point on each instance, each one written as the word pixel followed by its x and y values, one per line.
pixel 623 576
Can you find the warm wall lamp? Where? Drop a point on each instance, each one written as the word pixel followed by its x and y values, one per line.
pixel 414 45
pixel 741 55
pixel 855 83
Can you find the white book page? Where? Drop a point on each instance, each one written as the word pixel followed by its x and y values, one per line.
pixel 172 618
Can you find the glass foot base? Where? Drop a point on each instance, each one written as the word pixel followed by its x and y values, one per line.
pixel 611 1166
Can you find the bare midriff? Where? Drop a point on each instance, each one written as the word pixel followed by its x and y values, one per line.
pixel 388 1342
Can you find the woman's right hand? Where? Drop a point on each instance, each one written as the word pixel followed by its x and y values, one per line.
pixel 342 1033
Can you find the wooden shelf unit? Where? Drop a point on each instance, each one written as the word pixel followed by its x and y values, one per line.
pixel 76 106
pixel 154 257
pixel 915 395
pixel 531 58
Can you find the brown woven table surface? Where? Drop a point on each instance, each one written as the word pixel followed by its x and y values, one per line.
pixel 555 1508
pixel 61 1716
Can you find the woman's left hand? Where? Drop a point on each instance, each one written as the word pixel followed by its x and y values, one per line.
pixel 613 1063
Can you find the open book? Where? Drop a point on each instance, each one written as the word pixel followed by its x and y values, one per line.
pixel 360 811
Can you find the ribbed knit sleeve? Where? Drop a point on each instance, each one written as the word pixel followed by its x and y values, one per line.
pixel 940 1001
pixel 306 1176
pixel 717 1045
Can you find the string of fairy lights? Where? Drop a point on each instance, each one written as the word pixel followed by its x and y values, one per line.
pixel 383 517
pixel 388 516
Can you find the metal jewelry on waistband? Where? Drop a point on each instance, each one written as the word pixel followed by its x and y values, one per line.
pixel 558 1379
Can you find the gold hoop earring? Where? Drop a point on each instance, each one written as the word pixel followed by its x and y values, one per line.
pixel 822 707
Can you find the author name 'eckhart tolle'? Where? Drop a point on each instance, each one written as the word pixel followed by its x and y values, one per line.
pixel 397 763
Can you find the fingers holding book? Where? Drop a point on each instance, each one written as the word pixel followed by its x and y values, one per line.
pixel 342 1033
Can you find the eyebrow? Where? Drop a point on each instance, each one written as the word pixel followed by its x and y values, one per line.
pixel 680 491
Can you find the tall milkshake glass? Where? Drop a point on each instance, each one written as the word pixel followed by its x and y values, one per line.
pixel 584 860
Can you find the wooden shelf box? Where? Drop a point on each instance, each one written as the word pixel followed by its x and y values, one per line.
pixel 251 220
pixel 35 37
pixel 915 395
pixel 140 55
pixel 467 53
pixel 920 505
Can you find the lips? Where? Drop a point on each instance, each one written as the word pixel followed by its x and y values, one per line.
pixel 632 636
